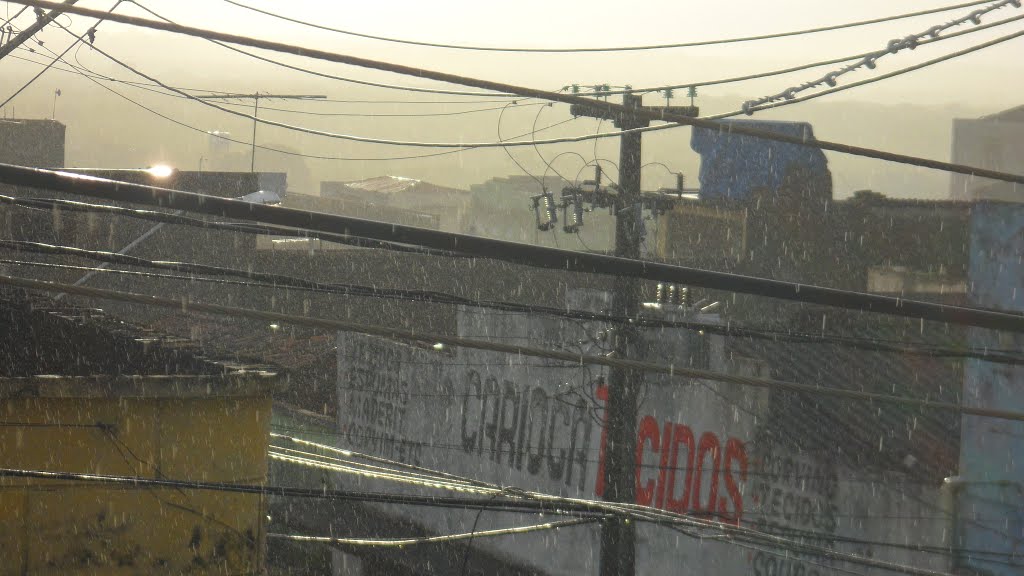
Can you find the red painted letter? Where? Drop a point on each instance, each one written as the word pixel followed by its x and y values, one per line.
pixel 680 435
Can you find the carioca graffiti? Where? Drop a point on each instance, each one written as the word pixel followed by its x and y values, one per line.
pixel 684 482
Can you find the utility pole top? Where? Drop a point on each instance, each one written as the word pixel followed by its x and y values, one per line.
pixel 623 120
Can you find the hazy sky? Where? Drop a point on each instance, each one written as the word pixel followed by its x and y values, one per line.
pixel 104 128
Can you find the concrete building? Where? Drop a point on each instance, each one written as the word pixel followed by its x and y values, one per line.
pixel 449 205
pixel 29 142
pixel 995 142
pixel 83 392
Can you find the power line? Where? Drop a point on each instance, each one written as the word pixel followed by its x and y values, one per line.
pixel 277 281
pixel 416 336
pixel 536 256
pixel 514 491
pixel 798 68
pixel 363 139
pixel 171 218
pixel 81 69
pixel 695 84
pixel 54 61
pixel 608 107
pixel 326 75
pixel 15 17
pixel 560 506
pixel 608 49
pixel 400 542
pixel 895 46
pixel 773 102
pixel 291 153
pixel 321 465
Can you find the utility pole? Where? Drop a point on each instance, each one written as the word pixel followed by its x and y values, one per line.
pixel 618 536
pixel 256 109
pixel 41 21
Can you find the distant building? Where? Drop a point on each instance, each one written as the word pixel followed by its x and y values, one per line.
pixel 35 143
pixel 222 184
pixel 995 142
pixel 395 192
pixel 735 166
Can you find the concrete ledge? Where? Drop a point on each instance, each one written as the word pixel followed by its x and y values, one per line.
pixel 235 384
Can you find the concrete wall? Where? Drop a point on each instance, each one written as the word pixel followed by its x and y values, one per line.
pixel 59 527
pixel 703 449
pixel 36 143
pixel 987 143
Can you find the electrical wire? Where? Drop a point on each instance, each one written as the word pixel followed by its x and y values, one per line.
pixel 83 70
pixel 400 542
pixel 458 448
pixel 314 463
pixel 255 279
pixel 373 471
pixel 54 61
pixel 540 94
pixel 797 68
pixel 797 99
pixel 417 336
pixel 300 154
pixel 178 219
pixel 597 91
pixel 15 17
pixel 540 183
pixel 533 136
pixel 826 536
pixel 331 76
pixel 609 49
pixel 561 506
pixel 514 252
pixel 894 47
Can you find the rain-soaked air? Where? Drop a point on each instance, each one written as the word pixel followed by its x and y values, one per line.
pixel 553 288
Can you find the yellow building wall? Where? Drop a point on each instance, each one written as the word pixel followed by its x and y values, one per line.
pixel 61 527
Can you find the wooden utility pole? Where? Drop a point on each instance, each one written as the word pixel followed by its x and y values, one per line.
pixel 41 21
pixel 256 109
pixel 618 537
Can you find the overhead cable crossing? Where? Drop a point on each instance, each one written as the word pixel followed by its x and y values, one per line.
pixel 516 252
pixel 549 50
pixel 540 94
pixel 869 61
